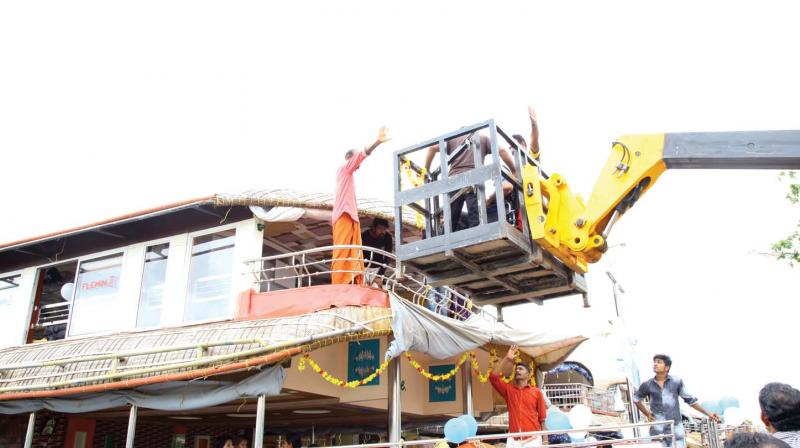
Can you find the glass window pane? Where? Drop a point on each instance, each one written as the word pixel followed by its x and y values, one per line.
pixel 151 296
pixel 96 304
pixel 210 277
pixel 8 286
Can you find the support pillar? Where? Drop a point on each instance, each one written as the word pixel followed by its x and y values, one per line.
pixel 258 437
pixel 29 434
pixel 394 401
pixel 469 405
pixel 131 427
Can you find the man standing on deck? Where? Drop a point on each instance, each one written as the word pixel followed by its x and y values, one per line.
pixel 526 406
pixel 378 237
pixel 663 391
pixel 348 264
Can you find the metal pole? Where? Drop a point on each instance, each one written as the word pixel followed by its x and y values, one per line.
pixel 29 434
pixel 394 401
pixel 131 427
pixel 258 437
pixel 468 403
pixel 634 409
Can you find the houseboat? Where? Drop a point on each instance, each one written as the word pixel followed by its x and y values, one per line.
pixel 184 323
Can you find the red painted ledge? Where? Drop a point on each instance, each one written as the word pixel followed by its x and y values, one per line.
pixel 297 301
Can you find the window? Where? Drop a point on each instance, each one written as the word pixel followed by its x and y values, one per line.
pixel 8 286
pixel 151 296
pixel 96 306
pixel 210 277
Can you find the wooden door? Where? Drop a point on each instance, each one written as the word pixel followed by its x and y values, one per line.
pixel 80 433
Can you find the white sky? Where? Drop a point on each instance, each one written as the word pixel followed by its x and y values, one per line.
pixel 109 107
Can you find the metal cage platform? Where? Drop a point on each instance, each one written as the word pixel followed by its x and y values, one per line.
pixel 494 260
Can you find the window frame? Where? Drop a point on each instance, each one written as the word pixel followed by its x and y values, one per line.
pixel 140 285
pixel 188 268
pixel 124 253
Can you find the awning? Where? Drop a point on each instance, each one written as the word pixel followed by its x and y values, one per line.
pixel 418 329
pixel 171 396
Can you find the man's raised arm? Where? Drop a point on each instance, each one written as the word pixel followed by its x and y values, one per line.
pixel 383 137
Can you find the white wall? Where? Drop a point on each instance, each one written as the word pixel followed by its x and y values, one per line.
pixel 15 315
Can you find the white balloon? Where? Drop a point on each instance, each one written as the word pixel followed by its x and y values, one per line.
pixel 66 291
pixel 580 416
pixel 733 416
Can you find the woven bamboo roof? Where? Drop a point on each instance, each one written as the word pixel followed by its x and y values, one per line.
pixel 273 197
pixel 324 201
pixel 246 337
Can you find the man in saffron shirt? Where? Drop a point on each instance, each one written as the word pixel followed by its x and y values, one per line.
pixel 348 264
pixel 526 406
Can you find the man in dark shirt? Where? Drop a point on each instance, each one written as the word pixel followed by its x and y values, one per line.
pixel 378 236
pixel 663 391
pixel 463 162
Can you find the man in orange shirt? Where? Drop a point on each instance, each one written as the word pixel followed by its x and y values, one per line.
pixel 348 263
pixel 526 406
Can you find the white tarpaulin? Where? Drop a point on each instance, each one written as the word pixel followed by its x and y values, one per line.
pixel 170 396
pixel 418 329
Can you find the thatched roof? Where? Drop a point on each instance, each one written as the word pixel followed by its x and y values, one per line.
pixel 265 198
pixel 323 201
pixel 74 362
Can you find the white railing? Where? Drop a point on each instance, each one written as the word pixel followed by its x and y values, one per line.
pixel 315 266
pixel 570 394
pixel 53 314
pixel 597 432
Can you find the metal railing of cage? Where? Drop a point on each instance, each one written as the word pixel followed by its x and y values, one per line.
pixel 712 434
pixel 567 395
pixel 590 430
pixel 314 267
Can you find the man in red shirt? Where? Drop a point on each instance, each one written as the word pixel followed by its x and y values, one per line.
pixel 348 264
pixel 526 407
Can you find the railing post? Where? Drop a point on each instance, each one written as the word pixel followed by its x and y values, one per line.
pixel 258 437
pixel 468 402
pixel 29 434
pixel 394 401
pixel 131 426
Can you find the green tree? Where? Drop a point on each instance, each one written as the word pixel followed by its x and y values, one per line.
pixel 789 247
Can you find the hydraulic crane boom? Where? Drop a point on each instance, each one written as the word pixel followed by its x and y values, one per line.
pixel 576 232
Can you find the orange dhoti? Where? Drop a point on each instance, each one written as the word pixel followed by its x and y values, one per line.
pixel 348 264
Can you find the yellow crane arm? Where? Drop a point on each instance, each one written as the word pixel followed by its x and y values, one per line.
pixel 576 232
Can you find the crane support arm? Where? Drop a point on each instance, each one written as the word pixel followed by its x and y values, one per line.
pixel 733 150
pixel 576 233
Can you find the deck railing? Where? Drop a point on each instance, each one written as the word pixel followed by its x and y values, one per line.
pixel 567 395
pixel 316 266
pixel 598 433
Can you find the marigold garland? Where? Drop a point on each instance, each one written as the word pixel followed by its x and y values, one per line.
pixel 482 377
pixel 416 365
pixel 493 358
pixel 301 365
pixel 416 181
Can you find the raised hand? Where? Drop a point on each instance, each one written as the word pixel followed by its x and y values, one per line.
pixel 513 353
pixel 383 135
pixel 532 115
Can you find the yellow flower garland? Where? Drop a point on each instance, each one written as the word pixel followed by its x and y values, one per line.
pixel 431 376
pixel 301 365
pixel 416 181
pixel 483 377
